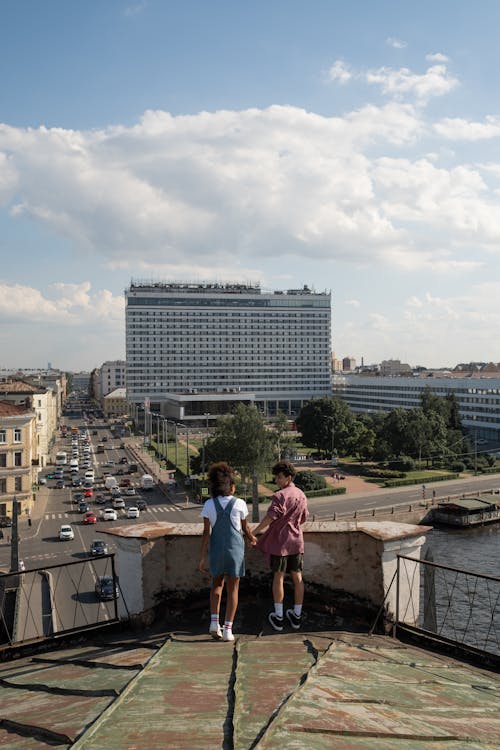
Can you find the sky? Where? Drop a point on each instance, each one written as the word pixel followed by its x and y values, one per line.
pixel 350 145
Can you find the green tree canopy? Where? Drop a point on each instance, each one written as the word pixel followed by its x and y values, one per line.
pixel 326 422
pixel 242 440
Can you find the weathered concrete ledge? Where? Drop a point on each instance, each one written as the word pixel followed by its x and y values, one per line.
pixel 359 558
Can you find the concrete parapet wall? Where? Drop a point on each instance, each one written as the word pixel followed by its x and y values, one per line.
pixel 358 558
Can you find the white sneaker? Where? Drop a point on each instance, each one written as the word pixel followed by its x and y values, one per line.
pixel 215 631
pixel 227 635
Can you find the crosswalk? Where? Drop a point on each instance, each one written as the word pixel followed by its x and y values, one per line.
pixel 154 510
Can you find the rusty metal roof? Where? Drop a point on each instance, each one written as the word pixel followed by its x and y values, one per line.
pixel 314 689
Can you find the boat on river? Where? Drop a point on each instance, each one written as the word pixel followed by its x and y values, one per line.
pixel 466 511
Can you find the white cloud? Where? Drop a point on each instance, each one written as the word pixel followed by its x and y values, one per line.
pixel 352 302
pixel 339 72
pixel 436 81
pixel 458 129
pixel 392 41
pixel 64 304
pixel 437 57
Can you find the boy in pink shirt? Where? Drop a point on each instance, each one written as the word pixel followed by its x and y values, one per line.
pixel 283 543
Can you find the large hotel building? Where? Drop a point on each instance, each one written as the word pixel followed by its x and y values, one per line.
pixel 195 350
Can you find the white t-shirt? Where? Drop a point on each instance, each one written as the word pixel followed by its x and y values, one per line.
pixel 238 512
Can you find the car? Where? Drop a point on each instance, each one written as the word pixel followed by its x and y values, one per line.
pixel 129 491
pixel 124 460
pixel 141 504
pixel 133 512
pixel 60 485
pixel 106 588
pixel 115 491
pixel 98 547
pixel 126 482
pixel 109 514
pixel 66 533
pixel 42 480
pixel 83 506
pixel 5 521
pixel 88 492
pixel 118 502
pixel 88 483
pixel 76 481
pixel 90 517
pixel 100 499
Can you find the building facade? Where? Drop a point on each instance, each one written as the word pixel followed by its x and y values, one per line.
pixel 17 446
pixel 45 402
pixel 478 398
pixel 114 404
pixel 193 347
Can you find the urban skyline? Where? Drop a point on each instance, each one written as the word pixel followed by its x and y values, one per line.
pixel 349 147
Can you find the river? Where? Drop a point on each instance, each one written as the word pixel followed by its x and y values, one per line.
pixel 476 549
pixel 467 607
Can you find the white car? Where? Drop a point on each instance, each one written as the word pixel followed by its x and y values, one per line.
pixel 133 512
pixel 109 514
pixel 66 533
pixel 129 491
pixel 118 502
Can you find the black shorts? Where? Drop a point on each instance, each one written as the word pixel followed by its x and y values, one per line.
pixel 287 563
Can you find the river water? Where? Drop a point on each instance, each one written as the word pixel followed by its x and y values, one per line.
pixel 476 549
pixel 467 607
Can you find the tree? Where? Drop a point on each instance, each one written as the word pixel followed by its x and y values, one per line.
pixel 283 441
pixel 309 480
pixel 243 441
pixel 326 424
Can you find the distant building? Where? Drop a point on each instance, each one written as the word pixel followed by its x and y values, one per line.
pixel 112 376
pixel 391 367
pixel 478 398
pixel 114 404
pixel 81 381
pixel 197 349
pixel 348 364
pixel 18 434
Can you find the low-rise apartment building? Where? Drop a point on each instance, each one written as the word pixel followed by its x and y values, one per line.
pixel 17 445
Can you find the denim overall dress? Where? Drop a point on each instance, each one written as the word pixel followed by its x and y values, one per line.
pixel 227 551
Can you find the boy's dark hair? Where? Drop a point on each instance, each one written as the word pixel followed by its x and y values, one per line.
pixel 220 478
pixel 284 467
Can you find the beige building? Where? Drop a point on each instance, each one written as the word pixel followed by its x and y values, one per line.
pixel 115 403
pixel 44 401
pixel 17 443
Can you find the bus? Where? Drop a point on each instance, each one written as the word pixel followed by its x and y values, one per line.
pixel 61 458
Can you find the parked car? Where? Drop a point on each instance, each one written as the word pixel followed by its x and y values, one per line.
pixel 133 512
pixel 87 492
pixel 106 588
pixel 89 517
pixel 141 504
pixel 109 514
pixel 5 521
pixel 66 533
pixel 98 547
pixel 42 480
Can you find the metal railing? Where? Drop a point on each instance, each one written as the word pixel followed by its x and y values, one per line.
pixel 42 603
pixel 455 606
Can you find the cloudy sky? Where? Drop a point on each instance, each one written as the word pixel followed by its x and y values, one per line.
pixel 350 145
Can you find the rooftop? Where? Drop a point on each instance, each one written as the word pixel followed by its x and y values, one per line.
pixel 7 409
pixel 179 689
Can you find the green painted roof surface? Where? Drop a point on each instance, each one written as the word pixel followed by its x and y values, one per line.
pixel 296 690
